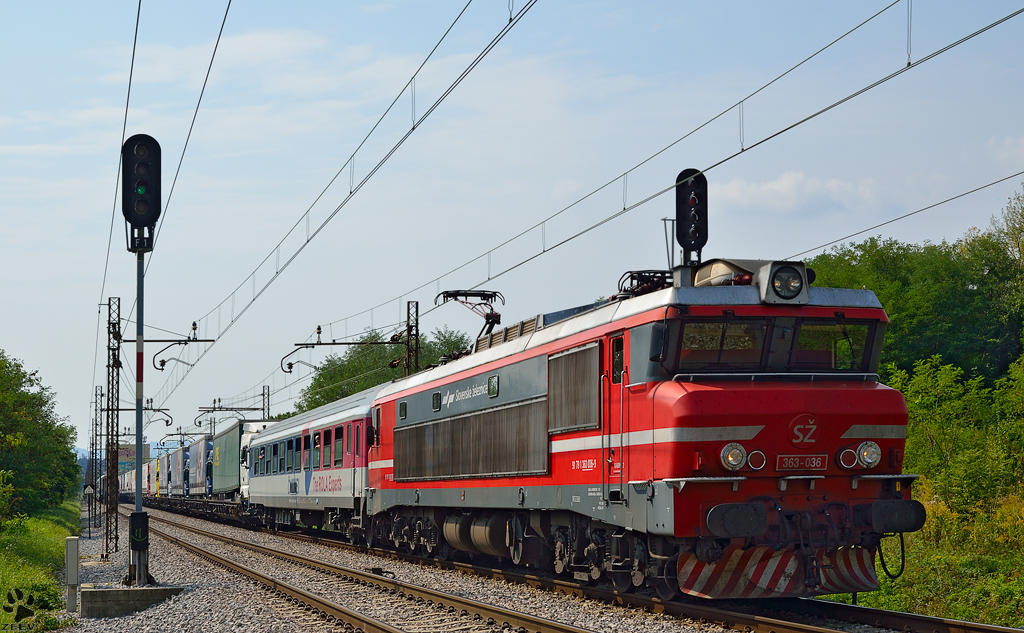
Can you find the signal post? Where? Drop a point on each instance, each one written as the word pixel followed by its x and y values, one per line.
pixel 140 205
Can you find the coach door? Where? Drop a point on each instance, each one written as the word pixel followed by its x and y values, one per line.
pixel 616 425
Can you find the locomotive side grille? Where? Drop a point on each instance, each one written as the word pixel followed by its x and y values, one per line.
pixel 509 440
pixel 574 389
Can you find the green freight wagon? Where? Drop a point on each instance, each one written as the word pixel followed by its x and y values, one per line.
pixel 230 459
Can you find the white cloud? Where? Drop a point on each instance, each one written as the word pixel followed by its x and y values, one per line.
pixel 794 192
pixel 1008 149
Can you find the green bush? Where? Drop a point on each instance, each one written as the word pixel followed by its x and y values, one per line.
pixel 33 558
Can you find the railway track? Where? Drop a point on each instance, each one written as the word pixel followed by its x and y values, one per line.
pixel 760 616
pixel 737 615
pixel 420 608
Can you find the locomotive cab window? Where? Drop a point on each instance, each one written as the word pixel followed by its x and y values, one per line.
pixel 720 345
pixel 777 344
pixel 824 345
pixel 327 448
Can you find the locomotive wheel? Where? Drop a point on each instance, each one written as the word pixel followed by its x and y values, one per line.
pixel 622 581
pixel 639 575
pixel 561 553
pixel 666 584
pixel 444 551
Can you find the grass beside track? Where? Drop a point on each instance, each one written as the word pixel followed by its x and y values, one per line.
pixel 32 561
pixel 959 566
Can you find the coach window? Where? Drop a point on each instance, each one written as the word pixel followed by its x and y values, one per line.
pixel 290 454
pixel 327 448
pixel 305 452
pixel 263 460
pixel 281 459
pixel 273 462
pixel 618 360
pixel 298 455
pixel 339 446
pixel 348 447
pixel 316 451
pixel 253 463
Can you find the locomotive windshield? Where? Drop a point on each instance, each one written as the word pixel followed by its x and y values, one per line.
pixel 775 345
pixel 722 345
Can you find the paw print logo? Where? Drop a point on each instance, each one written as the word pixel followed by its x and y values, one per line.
pixel 18 604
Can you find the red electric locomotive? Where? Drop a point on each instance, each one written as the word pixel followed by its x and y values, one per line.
pixel 717 430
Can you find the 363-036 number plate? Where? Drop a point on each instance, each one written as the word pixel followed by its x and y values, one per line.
pixel 801 462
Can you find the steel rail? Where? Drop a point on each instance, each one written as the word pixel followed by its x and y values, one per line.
pixel 498 615
pixel 692 608
pixel 324 607
pixel 881 618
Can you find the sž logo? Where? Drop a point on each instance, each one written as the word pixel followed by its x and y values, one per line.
pixel 804 431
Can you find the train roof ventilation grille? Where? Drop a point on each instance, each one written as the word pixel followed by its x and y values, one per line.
pixel 512 332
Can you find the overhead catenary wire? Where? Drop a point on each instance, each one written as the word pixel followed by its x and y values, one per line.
pixel 541 224
pixel 256 294
pixel 184 148
pixel 113 211
pixel 657 194
pixel 730 157
pixel 757 144
pixel 188 136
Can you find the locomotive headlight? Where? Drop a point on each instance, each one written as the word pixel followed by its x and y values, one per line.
pixel 734 456
pixel 868 454
pixel 787 283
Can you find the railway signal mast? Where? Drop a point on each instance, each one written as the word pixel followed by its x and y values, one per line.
pixel 140 205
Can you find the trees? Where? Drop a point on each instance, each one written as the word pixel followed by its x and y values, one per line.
pixel 955 300
pixel 363 366
pixel 36 446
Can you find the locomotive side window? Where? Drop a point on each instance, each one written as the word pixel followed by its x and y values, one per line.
pixel 618 360
pixel 339 446
pixel 402 410
pixel 327 448
pixel 831 346
pixel 376 426
pixel 305 452
pixel 435 401
pixel 357 440
pixel 722 345
pixel 273 461
pixel 316 451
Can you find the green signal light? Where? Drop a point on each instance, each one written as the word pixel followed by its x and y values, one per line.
pixel 141 188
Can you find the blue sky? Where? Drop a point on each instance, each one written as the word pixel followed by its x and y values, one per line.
pixel 573 96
